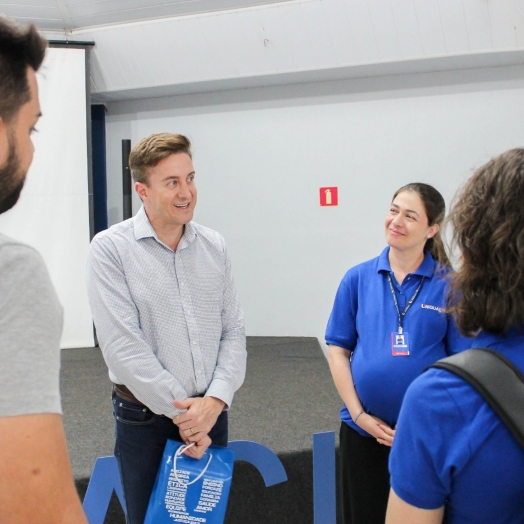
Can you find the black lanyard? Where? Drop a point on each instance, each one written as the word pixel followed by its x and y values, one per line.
pixel 408 305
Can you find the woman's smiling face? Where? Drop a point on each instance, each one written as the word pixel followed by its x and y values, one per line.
pixel 406 223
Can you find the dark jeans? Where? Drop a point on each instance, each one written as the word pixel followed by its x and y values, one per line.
pixel 141 437
pixel 365 477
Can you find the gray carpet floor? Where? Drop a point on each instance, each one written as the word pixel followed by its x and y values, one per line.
pixel 287 396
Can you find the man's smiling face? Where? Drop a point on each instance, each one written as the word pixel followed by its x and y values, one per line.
pixel 170 194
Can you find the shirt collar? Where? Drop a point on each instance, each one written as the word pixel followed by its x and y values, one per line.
pixel 426 269
pixel 144 229
pixel 188 236
pixel 487 339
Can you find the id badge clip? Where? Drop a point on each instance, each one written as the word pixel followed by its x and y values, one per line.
pixel 400 343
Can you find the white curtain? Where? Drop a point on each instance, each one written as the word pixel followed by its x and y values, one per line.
pixel 53 211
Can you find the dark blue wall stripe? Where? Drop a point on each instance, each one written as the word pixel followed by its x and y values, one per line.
pixel 98 136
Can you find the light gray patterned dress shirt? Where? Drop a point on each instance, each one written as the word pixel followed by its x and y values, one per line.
pixel 169 323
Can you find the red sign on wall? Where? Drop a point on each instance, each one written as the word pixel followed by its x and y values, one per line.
pixel 329 196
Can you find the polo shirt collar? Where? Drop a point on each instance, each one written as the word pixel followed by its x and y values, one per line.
pixel 487 339
pixel 426 269
pixel 144 229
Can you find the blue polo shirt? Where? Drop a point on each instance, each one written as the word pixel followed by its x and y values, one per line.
pixel 451 448
pixel 364 317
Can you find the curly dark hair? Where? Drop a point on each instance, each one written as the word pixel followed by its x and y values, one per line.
pixel 435 207
pixel 487 291
pixel 20 47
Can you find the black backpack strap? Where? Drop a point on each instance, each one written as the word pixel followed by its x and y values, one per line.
pixel 497 379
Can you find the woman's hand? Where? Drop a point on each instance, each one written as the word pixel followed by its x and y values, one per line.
pixel 377 428
pixel 338 359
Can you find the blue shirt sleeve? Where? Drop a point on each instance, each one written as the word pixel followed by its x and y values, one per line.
pixel 341 329
pixel 429 444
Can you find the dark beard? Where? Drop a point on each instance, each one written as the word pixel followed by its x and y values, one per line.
pixel 9 200
pixel 10 183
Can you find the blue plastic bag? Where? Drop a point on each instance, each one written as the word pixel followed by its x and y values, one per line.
pixel 190 491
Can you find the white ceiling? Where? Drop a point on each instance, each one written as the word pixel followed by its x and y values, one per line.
pixel 168 47
pixel 69 15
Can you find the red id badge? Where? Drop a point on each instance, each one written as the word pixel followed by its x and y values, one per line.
pixel 400 344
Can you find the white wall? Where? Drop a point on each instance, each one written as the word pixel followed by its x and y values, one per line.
pixel 53 211
pixel 262 154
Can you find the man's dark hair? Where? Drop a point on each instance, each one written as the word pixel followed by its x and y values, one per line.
pixel 20 47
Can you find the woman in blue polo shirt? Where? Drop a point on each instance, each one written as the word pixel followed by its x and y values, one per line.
pixel 451 450
pixel 387 325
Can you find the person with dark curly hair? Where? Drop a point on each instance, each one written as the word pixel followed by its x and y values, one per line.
pixel 452 454
pixel 387 324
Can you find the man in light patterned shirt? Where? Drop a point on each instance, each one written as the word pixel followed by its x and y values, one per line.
pixel 168 320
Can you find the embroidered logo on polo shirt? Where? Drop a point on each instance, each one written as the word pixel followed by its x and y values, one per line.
pixel 434 308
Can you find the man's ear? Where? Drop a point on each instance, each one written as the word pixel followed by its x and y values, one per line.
pixel 4 142
pixel 141 190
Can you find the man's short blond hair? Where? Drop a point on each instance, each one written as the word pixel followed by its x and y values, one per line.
pixel 151 150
